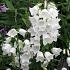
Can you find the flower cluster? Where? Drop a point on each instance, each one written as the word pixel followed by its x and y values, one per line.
pixel 44 22
pixel 26 49
pixel 10 48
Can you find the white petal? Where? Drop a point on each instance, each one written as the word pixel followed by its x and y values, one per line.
pixel 12 33
pixel 34 10
pixel 22 32
pixel 13 50
pixel 48 56
pixel 40 57
pixel 26 42
pixel 56 51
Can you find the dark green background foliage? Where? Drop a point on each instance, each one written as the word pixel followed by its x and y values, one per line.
pixel 17 17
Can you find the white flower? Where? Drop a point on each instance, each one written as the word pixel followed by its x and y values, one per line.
pixel 48 56
pixel 26 42
pixel 8 69
pixel 22 32
pixel 56 51
pixel 35 41
pixel 39 57
pixel 6 49
pixel 31 31
pixel 8 40
pixel 26 48
pixel 13 50
pixel 45 63
pixel 53 12
pixel 25 67
pixel 45 22
pixel 35 49
pixel 34 10
pixel 12 33
pixel 47 39
pixel 44 13
pixel 25 57
pixel 68 61
pixel 24 60
pixel 64 68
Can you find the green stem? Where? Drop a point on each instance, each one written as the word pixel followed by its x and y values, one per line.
pixel 17 39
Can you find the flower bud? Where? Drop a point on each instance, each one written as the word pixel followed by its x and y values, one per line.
pixel 64 51
pixel 68 61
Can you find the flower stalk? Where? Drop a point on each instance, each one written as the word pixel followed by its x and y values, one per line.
pixel 17 39
pixel 45 4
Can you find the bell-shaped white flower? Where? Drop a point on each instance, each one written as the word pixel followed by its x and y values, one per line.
pixel 6 49
pixel 40 57
pixel 8 40
pixel 46 39
pixel 68 61
pixel 35 41
pixel 35 49
pixel 34 10
pixel 26 42
pixel 56 51
pixel 12 33
pixel 44 65
pixel 25 67
pixel 25 56
pixel 24 60
pixel 53 12
pixel 22 32
pixel 26 48
pixel 31 31
pixel 13 50
pixel 64 68
pixel 44 13
pixel 48 56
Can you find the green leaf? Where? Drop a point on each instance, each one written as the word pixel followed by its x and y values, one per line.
pixel 25 22
pixel 9 4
